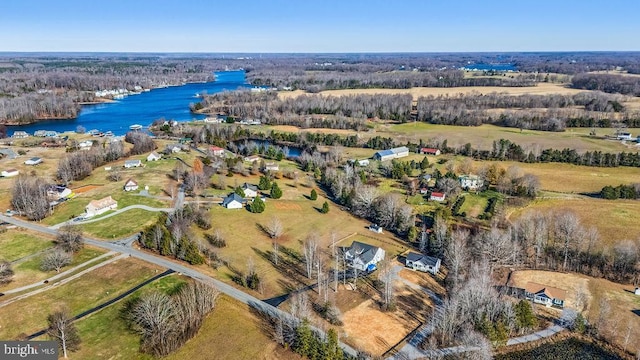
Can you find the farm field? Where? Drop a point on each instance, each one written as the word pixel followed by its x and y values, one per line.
pixel 482 137
pixel 615 220
pixel 30 315
pixel 540 89
pixel 620 297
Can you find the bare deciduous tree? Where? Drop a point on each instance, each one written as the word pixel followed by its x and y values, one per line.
pixel 29 197
pixel 62 329
pixel 70 238
pixel 567 230
pixel 300 306
pixel 457 255
pixel 310 249
pixel 6 273
pixel 55 260
pixel 387 276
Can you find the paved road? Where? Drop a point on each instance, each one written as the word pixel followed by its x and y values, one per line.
pixel 119 211
pixel 552 330
pixel 177 267
pixel 61 282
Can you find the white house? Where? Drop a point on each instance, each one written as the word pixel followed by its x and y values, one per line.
pixel 85 145
pixel 173 148
pixel 545 295
pixel 252 158
pixel 233 201
pixel 59 192
pixel 624 136
pixel 250 190
pixel 394 153
pixel 154 156
pixel 437 196
pixel 429 151
pixel 132 163
pixel 33 161
pixel 375 228
pixel 363 257
pixel 423 263
pixel 637 292
pixel 271 166
pixel 216 151
pixel 20 135
pixel 10 173
pixel 130 185
pixel 97 207
pixel 470 182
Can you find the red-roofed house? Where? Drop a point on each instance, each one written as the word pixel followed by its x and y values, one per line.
pixel 217 151
pixel 437 196
pixel 429 151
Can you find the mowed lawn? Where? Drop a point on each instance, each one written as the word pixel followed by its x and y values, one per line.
pixel 616 220
pixel 17 243
pixel 30 314
pixel 28 271
pixel 121 225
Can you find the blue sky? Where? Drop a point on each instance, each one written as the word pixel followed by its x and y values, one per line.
pixel 318 25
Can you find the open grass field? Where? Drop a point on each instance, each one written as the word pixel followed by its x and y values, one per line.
pixel 540 89
pixel 28 271
pixel 474 204
pixel 620 297
pixel 616 220
pixel 18 243
pixel 121 225
pixel 568 178
pixel 30 315
pixel 482 137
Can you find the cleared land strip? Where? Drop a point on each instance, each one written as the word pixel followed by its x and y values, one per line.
pixel 59 275
pixel 63 281
pixel 109 302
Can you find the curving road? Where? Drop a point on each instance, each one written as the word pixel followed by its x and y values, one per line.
pixel 121 247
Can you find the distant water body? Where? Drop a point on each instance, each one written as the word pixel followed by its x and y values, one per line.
pixel 171 103
pixel 491 67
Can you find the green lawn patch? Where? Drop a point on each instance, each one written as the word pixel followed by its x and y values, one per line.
pixel 121 225
pixel 16 244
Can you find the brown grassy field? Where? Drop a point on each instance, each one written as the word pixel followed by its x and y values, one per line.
pixel 540 89
pixel 620 297
pixel 616 220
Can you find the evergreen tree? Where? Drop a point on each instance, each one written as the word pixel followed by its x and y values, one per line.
pixel 412 234
pixel 265 183
pixel 325 208
pixel 424 164
pixel 332 350
pixel 238 190
pixel 257 206
pixel 304 339
pixel 580 324
pixel 525 319
pixel 313 195
pixel 276 192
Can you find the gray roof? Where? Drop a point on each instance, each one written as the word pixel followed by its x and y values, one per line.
pixel 393 151
pixel 232 197
pixel 364 252
pixel 132 161
pixel 426 260
pixel 249 186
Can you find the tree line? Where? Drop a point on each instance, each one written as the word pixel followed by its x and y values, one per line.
pixel 609 83
pixel 621 191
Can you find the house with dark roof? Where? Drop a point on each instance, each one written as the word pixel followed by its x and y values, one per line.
pixel 33 161
pixel 249 190
pixel 363 257
pixel 545 295
pixel 233 201
pixel 130 185
pixel 424 263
